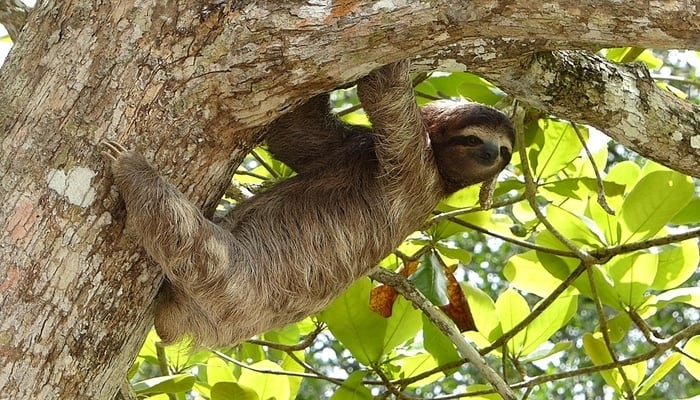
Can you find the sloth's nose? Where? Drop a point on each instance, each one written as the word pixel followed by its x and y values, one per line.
pixel 488 154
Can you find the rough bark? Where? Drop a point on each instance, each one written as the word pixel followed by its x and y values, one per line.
pixel 191 83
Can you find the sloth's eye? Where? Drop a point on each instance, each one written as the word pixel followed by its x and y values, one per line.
pixel 471 141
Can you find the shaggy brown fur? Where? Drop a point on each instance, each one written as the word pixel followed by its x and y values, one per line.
pixel 287 252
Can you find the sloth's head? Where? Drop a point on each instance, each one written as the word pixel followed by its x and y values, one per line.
pixel 471 142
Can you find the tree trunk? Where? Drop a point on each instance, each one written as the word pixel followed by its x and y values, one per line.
pixel 192 84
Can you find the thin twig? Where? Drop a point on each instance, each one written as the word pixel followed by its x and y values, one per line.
pixel 232 360
pixel 513 240
pixel 308 341
pixel 265 164
pixel 598 178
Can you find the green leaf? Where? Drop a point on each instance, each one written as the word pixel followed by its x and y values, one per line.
pixel 133 369
pixel 632 274
pixel 625 173
pixel 231 390
pixel 652 203
pixel 690 296
pixel 464 198
pixel 512 308
pixel 483 310
pixel 692 347
pixel 437 344
pixel 580 188
pixel 525 272
pixel 217 370
pixel 544 352
pixel 549 322
pixel 454 253
pixel 603 284
pixel 165 384
pixel 266 385
pixel 404 324
pixel 577 228
pixel 355 325
pixel 353 388
pixel 290 364
pixel 461 84
pixel 482 388
pixel 594 346
pixel 689 215
pixel 619 326
pixel 561 146
pixel 415 365
pixel 677 263
pixel 659 373
pixel 430 279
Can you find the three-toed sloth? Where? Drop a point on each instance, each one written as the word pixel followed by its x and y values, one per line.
pixel 289 251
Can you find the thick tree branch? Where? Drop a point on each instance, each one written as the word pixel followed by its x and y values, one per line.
pixel 621 100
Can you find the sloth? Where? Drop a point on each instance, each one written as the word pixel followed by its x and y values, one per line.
pixel 287 252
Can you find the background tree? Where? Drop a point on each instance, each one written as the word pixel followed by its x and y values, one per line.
pixel 193 83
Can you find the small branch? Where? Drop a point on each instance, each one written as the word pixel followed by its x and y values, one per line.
pixel 677 79
pixel 389 385
pixel 651 336
pixel 163 364
pixel 606 253
pixel 440 320
pixel 251 174
pixel 668 344
pixel 162 359
pixel 13 16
